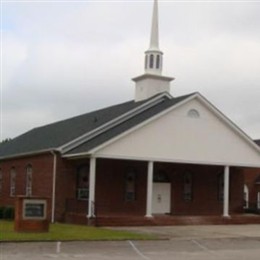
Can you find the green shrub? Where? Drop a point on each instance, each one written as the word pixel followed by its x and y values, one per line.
pixel 252 211
pixel 1 212
pixel 8 212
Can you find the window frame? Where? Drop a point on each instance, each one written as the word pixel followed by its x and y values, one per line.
pixel 13 182
pixel 188 186
pixel 28 184
pixel 258 200
pixel 130 188
pixel 82 191
pixel 158 61
pixel 246 197
pixel 151 61
pixel 1 181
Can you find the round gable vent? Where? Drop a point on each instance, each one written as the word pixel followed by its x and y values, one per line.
pixel 193 113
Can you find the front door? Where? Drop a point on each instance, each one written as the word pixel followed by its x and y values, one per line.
pixel 161 198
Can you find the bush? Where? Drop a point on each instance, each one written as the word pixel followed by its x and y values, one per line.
pixel 7 212
pixel 1 212
pixel 252 211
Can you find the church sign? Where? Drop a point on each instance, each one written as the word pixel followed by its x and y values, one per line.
pixel 31 214
pixel 34 209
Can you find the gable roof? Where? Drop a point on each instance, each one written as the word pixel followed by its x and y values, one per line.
pixel 109 138
pixel 257 142
pixel 126 125
pixel 57 135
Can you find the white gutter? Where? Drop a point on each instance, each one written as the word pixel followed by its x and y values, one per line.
pixel 53 197
pixel 27 154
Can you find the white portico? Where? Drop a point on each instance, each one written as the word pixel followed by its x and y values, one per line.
pixel 164 154
pixel 190 132
pixel 176 136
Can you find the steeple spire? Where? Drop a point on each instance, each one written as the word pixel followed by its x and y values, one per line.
pixel 152 82
pixel 153 56
pixel 154 43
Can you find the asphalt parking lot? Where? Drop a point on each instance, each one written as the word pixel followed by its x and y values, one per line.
pixel 189 242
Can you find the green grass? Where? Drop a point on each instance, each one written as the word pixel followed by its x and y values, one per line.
pixel 67 232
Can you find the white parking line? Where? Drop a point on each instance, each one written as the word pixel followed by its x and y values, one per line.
pixel 138 251
pixel 58 247
pixel 202 247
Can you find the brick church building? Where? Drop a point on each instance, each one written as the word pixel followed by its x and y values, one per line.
pixel 154 158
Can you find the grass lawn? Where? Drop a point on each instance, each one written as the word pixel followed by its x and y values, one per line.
pixel 67 232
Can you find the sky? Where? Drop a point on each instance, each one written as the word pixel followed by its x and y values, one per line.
pixel 60 59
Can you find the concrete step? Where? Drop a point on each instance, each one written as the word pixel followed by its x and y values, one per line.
pixel 160 220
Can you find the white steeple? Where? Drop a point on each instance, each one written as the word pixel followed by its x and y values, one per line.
pixel 154 43
pixel 153 56
pixel 152 82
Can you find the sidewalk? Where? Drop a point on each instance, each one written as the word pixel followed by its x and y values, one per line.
pixel 199 232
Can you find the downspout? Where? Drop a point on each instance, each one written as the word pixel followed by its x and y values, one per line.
pixel 53 198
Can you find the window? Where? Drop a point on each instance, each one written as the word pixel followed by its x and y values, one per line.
pixel 157 61
pixel 1 181
pixel 130 183
pixel 258 200
pixel 29 181
pixel 83 182
pixel 246 197
pixel 187 186
pixel 151 61
pixel 221 187
pixel 193 113
pixel 161 176
pixel 12 182
pixel 146 61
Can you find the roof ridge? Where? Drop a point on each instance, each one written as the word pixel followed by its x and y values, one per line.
pixel 84 114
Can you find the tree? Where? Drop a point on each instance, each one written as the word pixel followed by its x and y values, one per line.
pixel 6 140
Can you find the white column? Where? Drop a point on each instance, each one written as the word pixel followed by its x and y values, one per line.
pixel 149 190
pixel 92 184
pixel 226 192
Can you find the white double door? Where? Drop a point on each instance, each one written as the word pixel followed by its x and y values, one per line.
pixel 161 202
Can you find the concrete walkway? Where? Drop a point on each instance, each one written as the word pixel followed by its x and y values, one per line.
pixel 184 243
pixel 199 232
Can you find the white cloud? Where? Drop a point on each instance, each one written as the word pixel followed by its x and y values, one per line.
pixel 63 59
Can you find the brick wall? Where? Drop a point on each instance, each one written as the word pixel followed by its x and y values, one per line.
pixel 42 168
pixel 205 189
pixel 110 191
pixel 110 185
pixel 66 179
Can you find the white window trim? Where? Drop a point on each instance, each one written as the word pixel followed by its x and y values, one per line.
pixel 1 181
pixel 246 197
pixel 28 189
pixel 12 182
pixel 258 200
